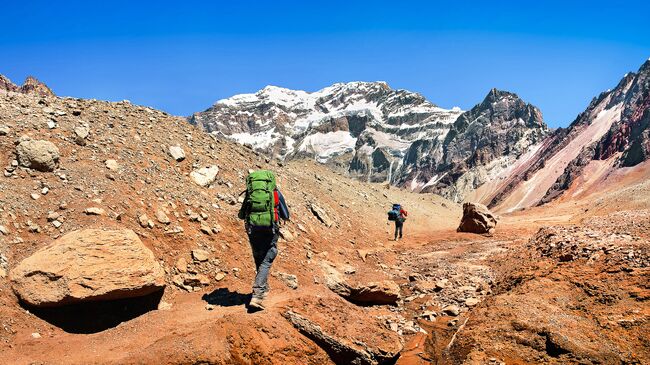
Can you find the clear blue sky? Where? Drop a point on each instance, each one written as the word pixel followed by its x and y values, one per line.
pixel 182 56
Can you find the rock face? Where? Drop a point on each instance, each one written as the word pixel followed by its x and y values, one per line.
pixel 614 128
pixel 88 265
pixel 477 219
pixel 205 176
pixel 30 86
pixel 383 135
pixel 37 155
pixel 481 143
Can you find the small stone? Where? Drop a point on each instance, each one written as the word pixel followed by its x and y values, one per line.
pixel 181 264
pixel 451 310
pixel 216 229
pixel 4 231
pixel 144 220
pixel 4 130
pixel 57 224
pixel 470 302
pixel 441 284
pixel 289 280
pixel 112 165
pixel 52 216
pixel 206 229
pixel 94 211
pixel 162 217
pixel 220 276
pixel 177 153
pixel 45 190
pixel 36 335
pixel 209 306
pixel 200 255
pixel 80 135
pixel 35 196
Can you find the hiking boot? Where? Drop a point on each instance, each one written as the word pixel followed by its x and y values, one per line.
pixel 256 303
pixel 266 292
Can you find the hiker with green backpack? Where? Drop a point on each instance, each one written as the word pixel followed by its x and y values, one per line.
pixel 261 210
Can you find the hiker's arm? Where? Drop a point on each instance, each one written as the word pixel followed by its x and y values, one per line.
pixel 242 210
pixel 283 210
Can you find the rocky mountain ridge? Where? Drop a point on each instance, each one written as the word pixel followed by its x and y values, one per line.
pixel 30 86
pixel 613 132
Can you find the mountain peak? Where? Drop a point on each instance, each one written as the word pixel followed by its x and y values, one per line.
pixel 31 86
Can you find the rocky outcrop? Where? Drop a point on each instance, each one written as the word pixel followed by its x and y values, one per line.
pixel 88 265
pixel 30 86
pixel 36 154
pixel 340 350
pixel 477 219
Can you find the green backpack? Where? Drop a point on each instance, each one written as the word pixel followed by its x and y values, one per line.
pixel 258 208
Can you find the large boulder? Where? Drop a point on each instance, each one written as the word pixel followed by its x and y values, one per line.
pixel 205 176
pixel 88 265
pixel 365 293
pixel 36 154
pixel 477 218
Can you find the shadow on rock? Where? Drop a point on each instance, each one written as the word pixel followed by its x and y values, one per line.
pixel 97 316
pixel 225 298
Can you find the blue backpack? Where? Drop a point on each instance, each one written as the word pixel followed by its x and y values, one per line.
pixel 393 214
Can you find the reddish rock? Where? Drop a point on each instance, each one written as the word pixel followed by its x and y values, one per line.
pixel 88 265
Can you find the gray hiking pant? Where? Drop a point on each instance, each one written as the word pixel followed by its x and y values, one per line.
pixel 264 246
pixel 399 226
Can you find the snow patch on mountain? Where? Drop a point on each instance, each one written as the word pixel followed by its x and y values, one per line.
pixel 327 145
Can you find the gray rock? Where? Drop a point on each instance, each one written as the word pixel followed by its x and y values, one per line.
pixel 37 154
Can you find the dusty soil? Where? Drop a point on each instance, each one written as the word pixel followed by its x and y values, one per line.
pixel 573 293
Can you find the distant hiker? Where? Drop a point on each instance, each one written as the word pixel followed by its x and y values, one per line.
pixel 398 215
pixel 262 209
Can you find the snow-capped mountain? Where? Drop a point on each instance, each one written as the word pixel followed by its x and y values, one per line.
pixel 363 126
pixel 379 134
